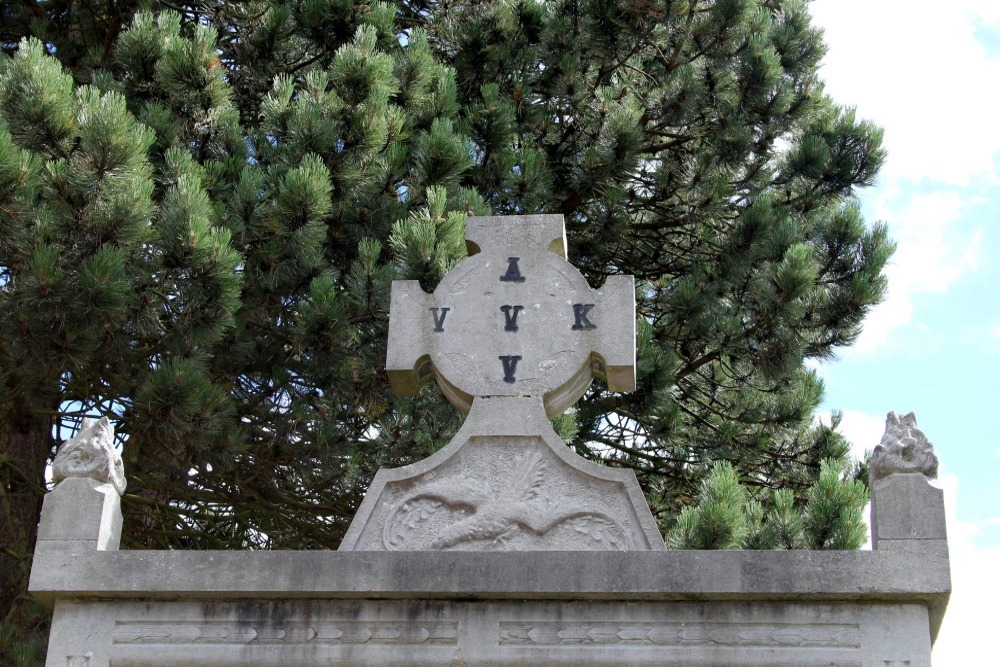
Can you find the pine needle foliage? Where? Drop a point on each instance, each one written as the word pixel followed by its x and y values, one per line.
pixel 726 516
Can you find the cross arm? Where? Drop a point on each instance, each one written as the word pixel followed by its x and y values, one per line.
pixel 614 344
pixel 407 360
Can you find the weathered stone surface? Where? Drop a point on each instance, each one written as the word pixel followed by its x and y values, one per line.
pixel 514 319
pixel 514 333
pixel 777 608
pixel 636 575
pixel 487 633
pixel 907 513
pixel 904 449
pixel 504 485
pixel 81 513
pixel 91 454
pixel 905 507
pixel 80 635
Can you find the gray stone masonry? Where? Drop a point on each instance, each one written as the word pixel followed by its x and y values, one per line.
pixel 513 608
pixel 306 633
pixel 514 333
pixel 878 608
pixel 504 484
pixel 906 511
pixel 81 514
pixel 514 319
pixel 504 548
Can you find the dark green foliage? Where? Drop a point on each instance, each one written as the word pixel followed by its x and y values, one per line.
pixel 717 521
pixel 202 207
pixel 725 517
pixel 833 510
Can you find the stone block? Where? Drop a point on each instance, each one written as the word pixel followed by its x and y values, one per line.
pixel 514 319
pixel 176 608
pixel 906 507
pixel 81 513
pixel 489 633
pixel 81 635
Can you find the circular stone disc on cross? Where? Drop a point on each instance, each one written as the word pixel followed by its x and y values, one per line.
pixel 514 319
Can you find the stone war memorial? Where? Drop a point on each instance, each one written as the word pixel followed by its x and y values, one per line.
pixel 504 547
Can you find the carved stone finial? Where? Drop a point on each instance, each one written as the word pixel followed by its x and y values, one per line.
pixel 91 454
pixel 904 448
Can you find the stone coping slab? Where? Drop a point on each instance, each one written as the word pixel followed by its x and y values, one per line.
pixel 488 633
pixel 808 576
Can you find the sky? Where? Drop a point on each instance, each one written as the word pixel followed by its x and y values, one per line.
pixel 929 74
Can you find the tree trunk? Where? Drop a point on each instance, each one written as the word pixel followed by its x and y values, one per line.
pixel 25 445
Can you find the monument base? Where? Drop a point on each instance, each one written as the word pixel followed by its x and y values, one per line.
pixel 306 633
pixel 690 608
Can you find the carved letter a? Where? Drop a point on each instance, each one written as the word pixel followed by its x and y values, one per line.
pixel 513 274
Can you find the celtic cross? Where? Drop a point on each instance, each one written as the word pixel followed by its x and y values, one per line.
pixel 514 319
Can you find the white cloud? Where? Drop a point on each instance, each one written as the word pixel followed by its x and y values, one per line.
pixel 988 11
pixel 863 430
pixel 933 252
pixel 920 73
pixel 969 625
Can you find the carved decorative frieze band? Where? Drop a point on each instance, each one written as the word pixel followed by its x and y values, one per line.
pixel 741 635
pixel 340 632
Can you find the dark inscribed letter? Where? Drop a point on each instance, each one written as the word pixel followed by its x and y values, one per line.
pixel 509 367
pixel 510 318
pixel 580 311
pixel 439 318
pixel 513 274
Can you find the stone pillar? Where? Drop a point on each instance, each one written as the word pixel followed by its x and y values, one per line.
pixel 907 513
pixel 81 635
pixel 83 511
pixel 81 514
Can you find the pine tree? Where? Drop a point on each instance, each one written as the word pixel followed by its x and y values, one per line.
pixel 726 516
pixel 202 206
